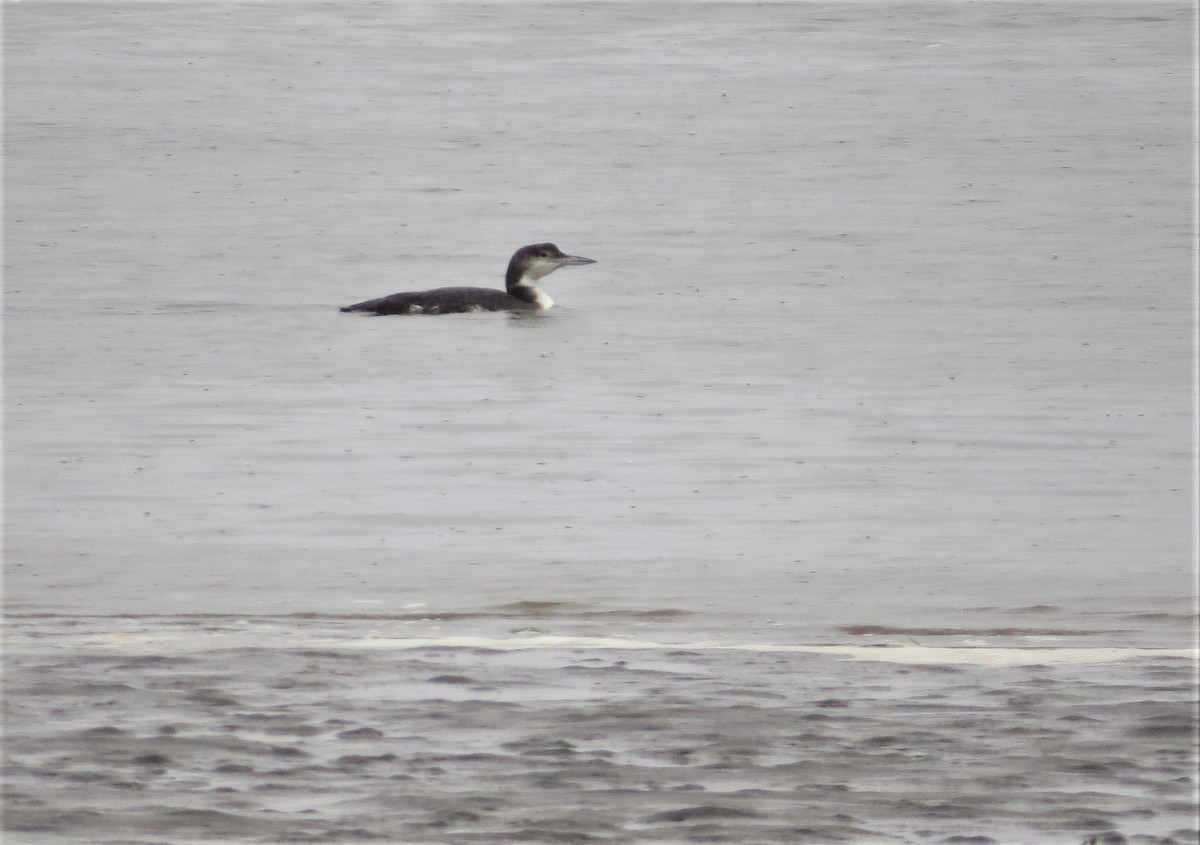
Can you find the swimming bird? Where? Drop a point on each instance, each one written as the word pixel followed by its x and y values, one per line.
pixel 521 293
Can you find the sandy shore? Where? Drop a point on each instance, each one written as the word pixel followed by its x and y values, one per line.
pixel 320 730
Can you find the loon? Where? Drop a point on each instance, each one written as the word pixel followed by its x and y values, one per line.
pixel 527 266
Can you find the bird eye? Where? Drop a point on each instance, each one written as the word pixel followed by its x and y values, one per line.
pixel 543 254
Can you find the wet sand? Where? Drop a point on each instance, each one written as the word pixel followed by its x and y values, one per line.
pixel 847 498
pixel 218 730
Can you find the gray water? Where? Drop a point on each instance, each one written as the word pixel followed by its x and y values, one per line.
pixel 889 339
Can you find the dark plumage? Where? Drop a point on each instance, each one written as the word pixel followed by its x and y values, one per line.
pixel 528 264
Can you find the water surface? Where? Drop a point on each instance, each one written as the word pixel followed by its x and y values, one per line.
pixel 889 345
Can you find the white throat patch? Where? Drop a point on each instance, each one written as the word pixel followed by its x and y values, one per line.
pixel 540 297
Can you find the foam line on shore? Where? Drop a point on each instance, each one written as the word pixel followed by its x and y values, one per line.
pixel 898 653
